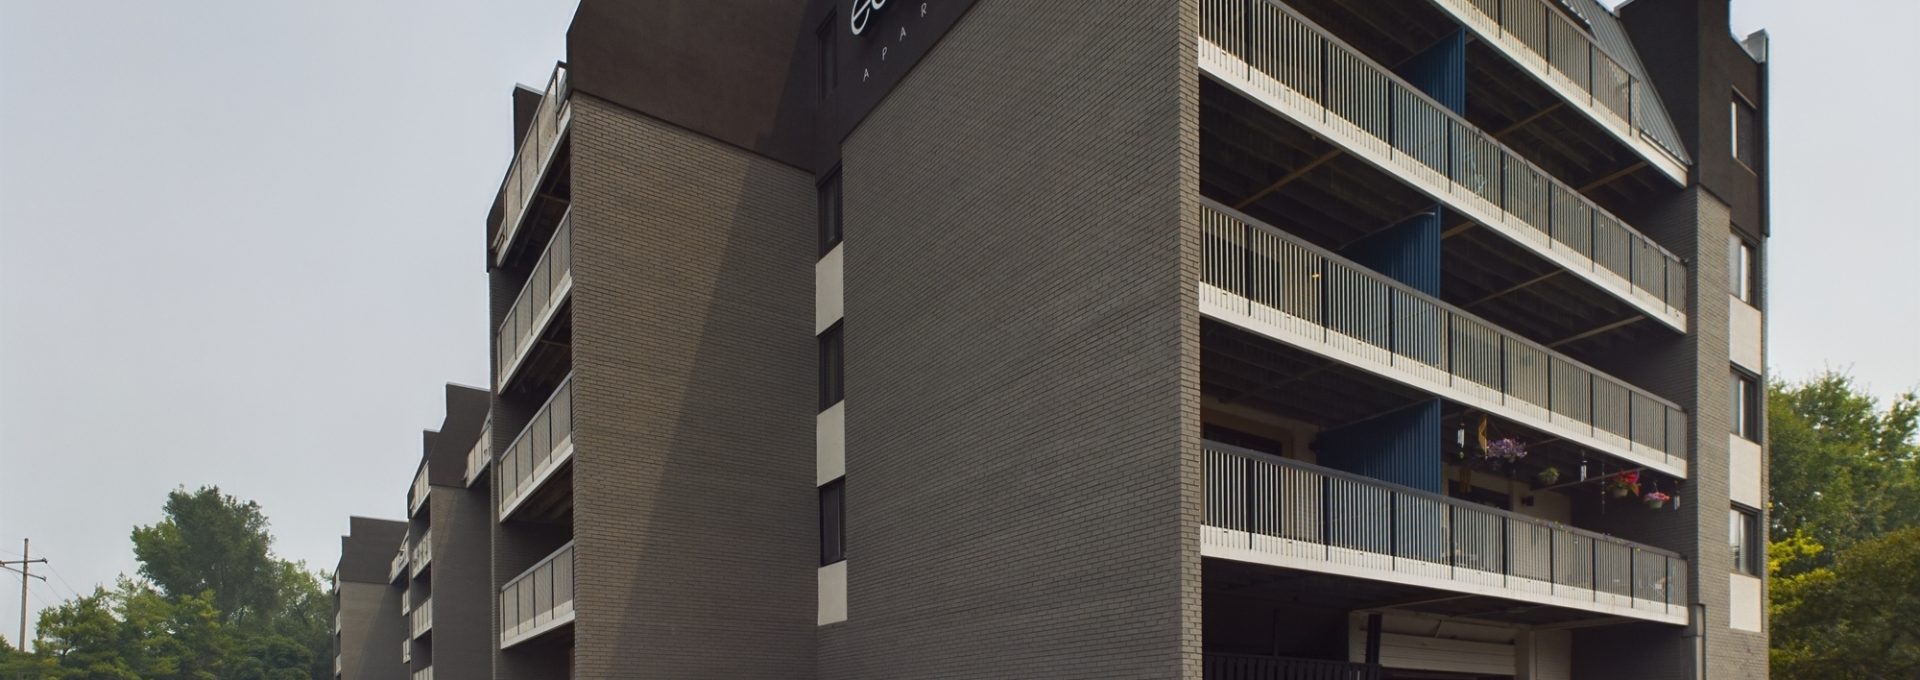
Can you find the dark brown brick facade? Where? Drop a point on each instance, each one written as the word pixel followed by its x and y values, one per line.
pixel 1021 355
pixel 694 378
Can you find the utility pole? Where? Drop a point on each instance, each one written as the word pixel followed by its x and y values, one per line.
pixel 26 563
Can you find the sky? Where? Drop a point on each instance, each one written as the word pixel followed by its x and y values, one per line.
pixel 241 243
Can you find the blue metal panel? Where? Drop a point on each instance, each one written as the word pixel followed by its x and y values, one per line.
pixel 1402 447
pixel 1441 71
pixel 1408 252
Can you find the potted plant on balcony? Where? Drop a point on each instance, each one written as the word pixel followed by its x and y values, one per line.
pixel 1624 484
pixel 1548 476
pixel 1655 500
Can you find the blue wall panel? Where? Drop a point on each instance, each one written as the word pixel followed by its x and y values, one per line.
pixel 1408 252
pixel 1441 71
pixel 1402 447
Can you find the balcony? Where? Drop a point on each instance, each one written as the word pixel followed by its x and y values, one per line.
pixel 417 496
pixel 481 454
pixel 1267 282
pixel 1565 58
pixel 423 674
pixel 422 552
pixel 538 452
pixel 406 651
pixel 1275 511
pixel 336 665
pixel 399 567
pixel 538 600
pixel 422 618
pixel 531 161
pixel 1248 667
pixel 1297 70
pixel 534 308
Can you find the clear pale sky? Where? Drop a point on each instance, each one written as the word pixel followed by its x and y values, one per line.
pixel 241 244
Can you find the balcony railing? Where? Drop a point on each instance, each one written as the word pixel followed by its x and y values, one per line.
pixel 423 552
pixel 1249 667
pixel 418 495
pixel 1301 71
pixel 406 651
pixel 399 567
pixel 1546 42
pixel 1267 281
pixel 546 442
pixel 423 674
pixel 1273 510
pixel 423 617
pixel 481 454
pixel 539 599
pixel 406 602
pixel 336 665
pixel 552 279
pixel 530 161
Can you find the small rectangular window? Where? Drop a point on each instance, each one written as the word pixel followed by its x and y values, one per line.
pixel 833 521
pixel 829 54
pixel 1746 406
pixel 1743 536
pixel 832 367
pixel 828 196
pixel 1746 132
pixel 1741 274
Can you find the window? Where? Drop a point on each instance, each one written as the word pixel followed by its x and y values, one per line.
pixel 828 197
pixel 1746 132
pixel 1743 536
pixel 829 55
pixel 1746 406
pixel 1741 277
pixel 832 367
pixel 833 522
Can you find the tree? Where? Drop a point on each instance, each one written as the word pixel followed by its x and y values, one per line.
pixel 1843 469
pixel 1859 619
pixel 214 604
pixel 210 542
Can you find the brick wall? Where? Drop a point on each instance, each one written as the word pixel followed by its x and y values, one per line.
pixel 1021 354
pixel 694 382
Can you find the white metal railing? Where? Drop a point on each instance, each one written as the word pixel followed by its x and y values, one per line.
pixel 423 674
pixel 399 561
pixel 406 651
pixel 546 442
pixel 417 496
pixel 406 602
pixel 481 454
pixel 423 617
pixel 539 599
pixel 422 552
pixel 1290 509
pixel 336 665
pixel 1550 44
pixel 549 284
pixel 1326 302
pixel 1320 82
pixel 530 161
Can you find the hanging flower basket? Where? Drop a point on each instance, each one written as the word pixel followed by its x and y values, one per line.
pixel 1548 476
pixel 1624 484
pixel 1656 500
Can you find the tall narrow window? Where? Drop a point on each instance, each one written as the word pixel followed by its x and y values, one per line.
pixel 832 367
pixel 1741 274
pixel 833 521
pixel 1746 132
pixel 829 55
pixel 829 206
pixel 1743 532
pixel 1746 406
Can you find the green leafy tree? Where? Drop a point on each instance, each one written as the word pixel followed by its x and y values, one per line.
pixel 1843 469
pixel 214 603
pixel 1858 619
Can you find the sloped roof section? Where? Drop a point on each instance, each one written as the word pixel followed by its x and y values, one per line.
pixel 1655 124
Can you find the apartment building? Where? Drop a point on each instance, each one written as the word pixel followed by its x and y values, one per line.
pixel 418 597
pixel 366 618
pixel 1207 339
